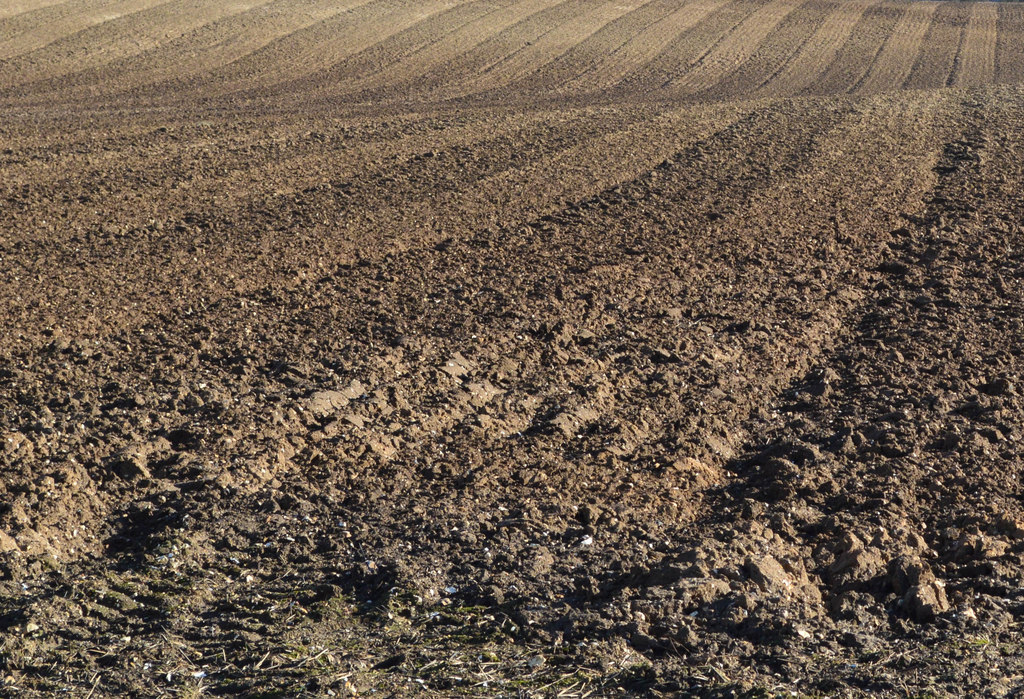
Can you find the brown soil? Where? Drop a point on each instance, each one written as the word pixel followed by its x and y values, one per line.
pixel 529 348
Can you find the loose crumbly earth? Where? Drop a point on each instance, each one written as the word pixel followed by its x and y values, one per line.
pixel 513 348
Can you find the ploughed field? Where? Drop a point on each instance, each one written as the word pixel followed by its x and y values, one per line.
pixel 533 348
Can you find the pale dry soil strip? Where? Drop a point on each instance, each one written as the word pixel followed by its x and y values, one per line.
pixel 1010 43
pixel 481 46
pixel 334 45
pixel 584 55
pixel 377 61
pixel 684 50
pixel 304 49
pixel 14 8
pixel 774 52
pixel 513 47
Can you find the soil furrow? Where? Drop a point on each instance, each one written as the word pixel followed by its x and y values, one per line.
pixel 61 23
pixel 684 50
pixel 184 64
pixel 335 44
pixel 37 8
pixel 376 64
pixel 845 428
pixel 402 76
pixel 508 347
pixel 316 45
pixel 490 44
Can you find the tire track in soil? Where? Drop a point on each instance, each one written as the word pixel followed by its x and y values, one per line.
pixel 146 28
pixel 976 61
pixel 771 202
pixel 898 55
pixel 561 226
pixel 541 253
pixel 557 243
pixel 818 52
pixel 1010 45
pixel 859 53
pixel 91 498
pixel 731 50
pixel 936 62
pixel 626 314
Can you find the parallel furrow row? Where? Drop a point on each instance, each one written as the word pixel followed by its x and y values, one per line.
pixel 859 53
pixel 369 52
pixel 191 61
